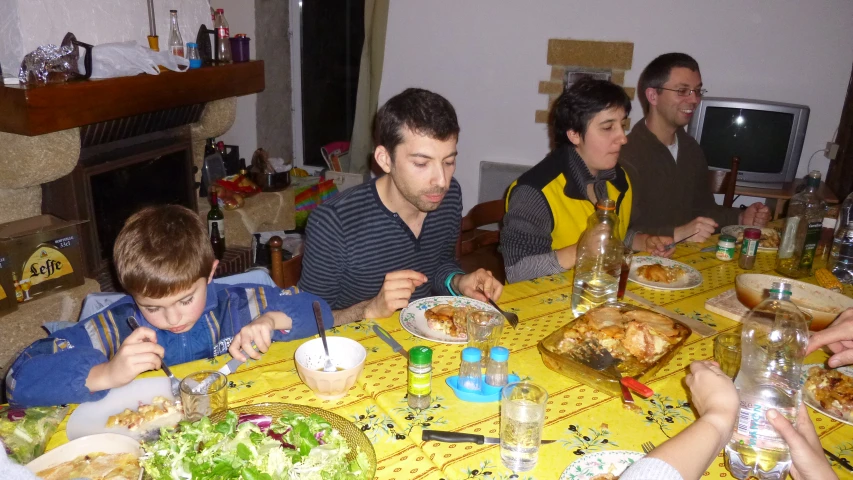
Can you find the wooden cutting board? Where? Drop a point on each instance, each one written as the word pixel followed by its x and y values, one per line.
pixel 727 305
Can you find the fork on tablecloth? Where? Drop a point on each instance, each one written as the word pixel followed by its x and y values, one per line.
pixel 648 447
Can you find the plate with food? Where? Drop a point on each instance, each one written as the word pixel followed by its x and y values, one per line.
pixel 663 273
pixel 440 319
pixel 102 456
pixel 769 241
pixel 829 391
pixel 607 465
pixel 140 407
pixel 272 440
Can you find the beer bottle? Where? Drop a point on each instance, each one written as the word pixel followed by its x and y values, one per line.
pixel 19 292
pixel 217 242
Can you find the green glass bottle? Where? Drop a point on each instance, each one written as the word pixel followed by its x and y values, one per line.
pixel 802 231
pixel 216 217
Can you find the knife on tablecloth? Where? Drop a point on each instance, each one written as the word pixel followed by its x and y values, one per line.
pixel 459 437
pixel 387 338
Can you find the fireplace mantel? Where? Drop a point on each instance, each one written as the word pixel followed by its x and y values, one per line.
pixel 39 110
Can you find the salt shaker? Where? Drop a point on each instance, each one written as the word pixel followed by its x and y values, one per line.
pixel 496 367
pixel 470 375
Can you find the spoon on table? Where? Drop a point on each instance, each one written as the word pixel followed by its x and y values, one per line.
pixel 510 317
pixel 328 366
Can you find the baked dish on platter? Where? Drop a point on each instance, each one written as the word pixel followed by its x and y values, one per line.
pixel 832 390
pixel 96 466
pixel 161 412
pixel 448 319
pixel 660 273
pixel 638 337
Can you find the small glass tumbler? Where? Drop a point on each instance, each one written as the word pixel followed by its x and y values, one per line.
pixel 204 402
pixel 522 419
pixel 627 257
pixel 484 331
pixel 727 353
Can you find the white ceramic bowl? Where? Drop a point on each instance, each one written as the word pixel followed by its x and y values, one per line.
pixel 346 354
pixel 822 304
pixel 109 443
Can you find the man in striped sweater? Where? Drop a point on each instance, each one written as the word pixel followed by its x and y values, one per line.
pixel 375 247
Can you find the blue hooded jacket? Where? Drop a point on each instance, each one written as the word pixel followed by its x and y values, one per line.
pixel 53 370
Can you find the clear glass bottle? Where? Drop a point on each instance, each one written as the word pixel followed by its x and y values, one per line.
pixel 223 54
pixel 599 259
pixel 176 42
pixel 419 390
pixel 470 375
pixel 193 56
pixel 497 368
pixel 801 233
pixel 844 213
pixel 841 256
pixel 773 345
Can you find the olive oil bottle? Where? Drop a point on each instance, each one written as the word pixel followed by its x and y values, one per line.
pixel 802 231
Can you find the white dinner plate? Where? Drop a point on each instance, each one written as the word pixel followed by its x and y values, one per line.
pixel 108 443
pixel 91 417
pixel 816 406
pixel 691 278
pixel 737 232
pixel 609 461
pixel 413 320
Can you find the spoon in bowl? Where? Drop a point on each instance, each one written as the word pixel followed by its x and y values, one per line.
pixel 328 366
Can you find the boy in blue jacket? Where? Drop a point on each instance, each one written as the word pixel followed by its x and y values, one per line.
pixel 165 263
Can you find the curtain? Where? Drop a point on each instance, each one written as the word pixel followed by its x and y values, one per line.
pixel 369 80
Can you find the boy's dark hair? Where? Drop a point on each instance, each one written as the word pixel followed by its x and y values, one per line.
pixel 656 73
pixel 161 251
pixel 576 107
pixel 421 111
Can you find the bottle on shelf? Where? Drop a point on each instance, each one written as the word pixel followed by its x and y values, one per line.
pixel 470 375
pixel 217 242
pixel 223 53
pixel 802 230
pixel 216 221
pixel 176 42
pixel 773 344
pixel 19 292
pixel 599 259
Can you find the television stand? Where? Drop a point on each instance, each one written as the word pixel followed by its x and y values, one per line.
pixel 777 198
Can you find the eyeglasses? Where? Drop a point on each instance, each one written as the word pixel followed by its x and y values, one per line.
pixel 685 92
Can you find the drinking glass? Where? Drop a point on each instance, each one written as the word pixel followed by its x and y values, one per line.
pixel 484 331
pixel 522 420
pixel 213 399
pixel 727 353
pixel 627 257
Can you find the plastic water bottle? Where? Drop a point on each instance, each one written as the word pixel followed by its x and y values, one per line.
pixel 773 346
pixel 599 260
pixel 841 256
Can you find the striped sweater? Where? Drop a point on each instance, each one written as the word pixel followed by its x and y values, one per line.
pixel 352 241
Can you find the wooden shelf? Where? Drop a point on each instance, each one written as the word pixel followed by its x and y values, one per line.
pixel 30 110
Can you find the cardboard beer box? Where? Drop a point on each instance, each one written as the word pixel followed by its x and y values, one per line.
pixel 44 253
pixel 8 302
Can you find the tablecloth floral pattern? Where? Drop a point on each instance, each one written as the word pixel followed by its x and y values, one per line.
pixel 582 419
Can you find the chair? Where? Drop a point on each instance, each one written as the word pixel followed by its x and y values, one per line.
pixel 724 182
pixel 286 273
pixel 477 247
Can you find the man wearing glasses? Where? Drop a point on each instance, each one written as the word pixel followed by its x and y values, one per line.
pixel 668 171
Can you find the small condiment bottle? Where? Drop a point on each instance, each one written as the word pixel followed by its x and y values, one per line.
pixel 726 248
pixel 470 375
pixel 751 237
pixel 418 393
pixel 193 55
pixel 497 369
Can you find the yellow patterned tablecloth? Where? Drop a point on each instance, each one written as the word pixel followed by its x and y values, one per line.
pixel 583 419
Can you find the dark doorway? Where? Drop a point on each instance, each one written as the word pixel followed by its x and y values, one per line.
pixel 332 39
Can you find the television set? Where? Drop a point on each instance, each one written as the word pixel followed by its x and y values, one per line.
pixel 767 136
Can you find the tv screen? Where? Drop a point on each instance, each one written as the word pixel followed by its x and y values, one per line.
pixel 759 137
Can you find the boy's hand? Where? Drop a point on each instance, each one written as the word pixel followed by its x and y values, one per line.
pixel 138 353
pixel 714 396
pixel 256 334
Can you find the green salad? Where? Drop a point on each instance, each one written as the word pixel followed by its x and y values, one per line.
pixel 24 433
pixel 253 447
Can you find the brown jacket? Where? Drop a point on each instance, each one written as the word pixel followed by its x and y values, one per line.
pixel 667 193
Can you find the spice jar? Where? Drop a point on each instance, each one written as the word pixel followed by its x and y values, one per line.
pixel 420 377
pixel 751 237
pixel 726 248
pixel 497 369
pixel 470 375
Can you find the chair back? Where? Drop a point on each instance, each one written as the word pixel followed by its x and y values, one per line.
pixel 478 247
pixel 724 182
pixel 286 273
